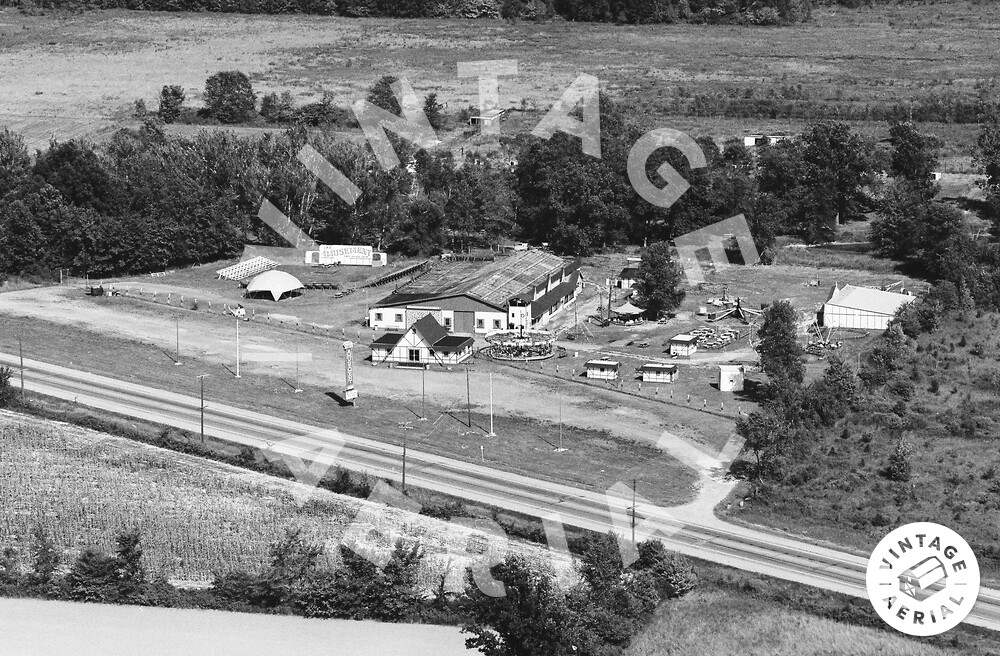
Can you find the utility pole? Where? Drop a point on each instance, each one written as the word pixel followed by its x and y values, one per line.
pixel 297 388
pixel 201 380
pixel 177 334
pixel 609 300
pixel 492 433
pixel 20 355
pixel 237 347
pixel 560 426
pixel 404 462
pixel 468 398
pixel 633 510
pixel 423 394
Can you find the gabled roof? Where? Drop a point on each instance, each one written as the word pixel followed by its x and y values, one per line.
pixel 453 342
pixel 655 366
pixel 603 363
pixel 868 299
pixel 429 329
pixel 630 272
pixel 492 283
pixel 388 340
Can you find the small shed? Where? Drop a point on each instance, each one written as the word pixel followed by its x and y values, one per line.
pixel 603 369
pixel 488 117
pixel 627 277
pixel 683 345
pixel 654 372
pixel 731 377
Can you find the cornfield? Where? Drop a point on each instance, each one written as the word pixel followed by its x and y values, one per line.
pixel 197 516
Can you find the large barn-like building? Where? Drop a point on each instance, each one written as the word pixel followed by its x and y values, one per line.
pixel 511 292
pixel 862 307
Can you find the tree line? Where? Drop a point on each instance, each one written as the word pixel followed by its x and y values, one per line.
pixel 527 613
pixel 755 12
pixel 749 103
pixel 145 200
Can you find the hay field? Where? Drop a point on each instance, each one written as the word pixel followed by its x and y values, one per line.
pixel 196 516
pixel 97 63
pixel 712 622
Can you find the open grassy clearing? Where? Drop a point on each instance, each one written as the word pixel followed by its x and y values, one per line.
pixel 736 612
pixel 595 459
pixel 97 63
pixel 103 628
pixel 712 622
pixel 197 516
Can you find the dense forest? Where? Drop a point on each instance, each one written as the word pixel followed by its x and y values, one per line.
pixel 753 12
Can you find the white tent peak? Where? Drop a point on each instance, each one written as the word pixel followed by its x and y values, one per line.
pixel 275 283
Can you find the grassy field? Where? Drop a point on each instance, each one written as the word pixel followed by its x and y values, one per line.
pixel 196 516
pixel 103 629
pixel 97 63
pixel 735 612
pixel 713 622
pixel 595 460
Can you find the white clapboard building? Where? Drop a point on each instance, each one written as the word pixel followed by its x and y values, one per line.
pixel 864 308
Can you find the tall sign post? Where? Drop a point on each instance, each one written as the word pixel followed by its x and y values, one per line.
pixel 350 393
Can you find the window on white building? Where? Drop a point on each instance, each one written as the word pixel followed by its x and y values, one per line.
pixel 497 324
pixel 414 355
pixel 378 316
pixel 479 323
pixel 399 318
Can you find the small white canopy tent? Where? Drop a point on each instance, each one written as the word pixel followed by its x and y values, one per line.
pixel 629 310
pixel 275 283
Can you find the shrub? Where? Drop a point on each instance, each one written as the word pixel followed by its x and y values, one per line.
pixel 6 388
pixel 171 102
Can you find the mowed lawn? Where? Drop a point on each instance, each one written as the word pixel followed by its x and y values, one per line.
pixel 98 63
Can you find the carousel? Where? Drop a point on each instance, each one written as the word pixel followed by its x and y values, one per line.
pixel 521 344
pixel 628 314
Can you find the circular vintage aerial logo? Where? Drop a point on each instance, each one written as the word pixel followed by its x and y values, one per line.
pixel 923 579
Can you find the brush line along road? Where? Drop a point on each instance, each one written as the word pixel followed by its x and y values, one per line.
pixel 310 452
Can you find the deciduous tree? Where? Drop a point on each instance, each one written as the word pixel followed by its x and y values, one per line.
pixel 659 279
pixel 229 97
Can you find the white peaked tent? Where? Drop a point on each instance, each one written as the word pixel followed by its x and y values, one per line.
pixel 628 310
pixel 275 283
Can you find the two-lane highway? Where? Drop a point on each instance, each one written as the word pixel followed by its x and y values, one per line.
pixel 310 452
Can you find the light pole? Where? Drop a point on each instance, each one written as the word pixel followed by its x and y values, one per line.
pixel 404 461
pixel 297 388
pixel 468 398
pixel 492 432
pixel 237 347
pixel 201 379
pixel 20 355
pixel 423 394
pixel 633 510
pixel 177 334
pixel 561 448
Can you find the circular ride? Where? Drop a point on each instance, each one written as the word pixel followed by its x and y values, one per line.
pixel 520 344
